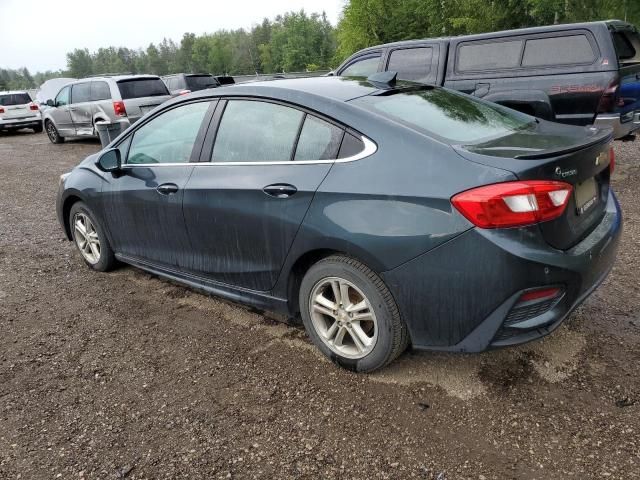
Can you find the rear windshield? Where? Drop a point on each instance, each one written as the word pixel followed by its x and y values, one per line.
pixel 451 116
pixel 627 45
pixel 142 87
pixel 199 82
pixel 9 99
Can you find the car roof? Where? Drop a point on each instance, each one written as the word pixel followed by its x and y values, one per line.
pixel 12 92
pixel 336 88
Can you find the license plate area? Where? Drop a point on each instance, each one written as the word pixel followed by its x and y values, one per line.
pixel 586 195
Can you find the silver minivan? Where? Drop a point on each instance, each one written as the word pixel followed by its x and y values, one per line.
pixel 120 99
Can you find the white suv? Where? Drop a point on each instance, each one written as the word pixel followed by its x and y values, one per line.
pixel 18 110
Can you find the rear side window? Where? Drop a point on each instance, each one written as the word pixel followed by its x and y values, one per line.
pixel 568 50
pixel 200 82
pixel 319 140
pixel 254 131
pixel 81 92
pixel 489 56
pixel 169 137
pixel 11 99
pixel 452 116
pixel 351 145
pixel 411 63
pixel 100 91
pixel 362 67
pixel 142 87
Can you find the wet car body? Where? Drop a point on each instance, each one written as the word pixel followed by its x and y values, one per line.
pixel 457 286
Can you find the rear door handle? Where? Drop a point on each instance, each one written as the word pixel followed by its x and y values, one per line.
pixel 167 188
pixel 280 190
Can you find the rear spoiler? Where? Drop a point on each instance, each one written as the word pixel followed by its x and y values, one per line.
pixel 225 79
pixel 606 137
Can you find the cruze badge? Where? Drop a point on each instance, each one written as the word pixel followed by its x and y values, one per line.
pixel 566 173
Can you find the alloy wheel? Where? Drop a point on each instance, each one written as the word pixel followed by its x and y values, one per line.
pixel 86 237
pixel 52 133
pixel 343 317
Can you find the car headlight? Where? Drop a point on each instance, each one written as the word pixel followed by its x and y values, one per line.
pixel 62 178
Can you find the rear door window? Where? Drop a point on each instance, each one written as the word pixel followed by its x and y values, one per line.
pixel 81 92
pixel 319 140
pixel 489 56
pixel 142 87
pixel 362 67
pixel 11 99
pixel 255 131
pixel 100 91
pixel 568 50
pixel 411 63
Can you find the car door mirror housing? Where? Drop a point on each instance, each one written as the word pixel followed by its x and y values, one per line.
pixel 110 160
pixel 50 103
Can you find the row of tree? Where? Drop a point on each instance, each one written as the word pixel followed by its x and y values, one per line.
pixel 297 41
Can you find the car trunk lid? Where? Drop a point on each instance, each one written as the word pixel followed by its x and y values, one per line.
pixel 16 106
pixel 141 95
pixel 578 156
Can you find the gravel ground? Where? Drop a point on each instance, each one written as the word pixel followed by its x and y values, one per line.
pixel 123 375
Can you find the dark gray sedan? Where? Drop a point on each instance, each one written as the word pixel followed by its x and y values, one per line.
pixel 383 214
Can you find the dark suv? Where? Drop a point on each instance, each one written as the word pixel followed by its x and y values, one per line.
pixel 581 74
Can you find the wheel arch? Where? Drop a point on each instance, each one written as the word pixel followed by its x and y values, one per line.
pixel 67 205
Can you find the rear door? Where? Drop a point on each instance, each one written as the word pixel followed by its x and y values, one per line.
pixel 141 95
pixel 16 106
pixel 81 109
pixel 243 206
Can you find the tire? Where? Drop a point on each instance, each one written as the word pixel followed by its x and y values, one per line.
pixel 105 259
pixel 38 129
pixel 385 334
pixel 52 133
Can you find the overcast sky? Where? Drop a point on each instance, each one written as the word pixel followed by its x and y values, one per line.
pixel 37 34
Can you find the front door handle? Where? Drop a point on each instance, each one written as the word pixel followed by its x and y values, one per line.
pixel 280 190
pixel 167 188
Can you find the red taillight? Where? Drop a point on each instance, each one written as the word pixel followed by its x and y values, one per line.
pixel 118 108
pixel 184 92
pixel 513 204
pixel 612 160
pixel 539 294
pixel 1 110
pixel 608 98
pixel 33 107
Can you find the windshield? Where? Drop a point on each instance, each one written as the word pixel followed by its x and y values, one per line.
pixel 199 82
pixel 11 99
pixel 451 116
pixel 142 87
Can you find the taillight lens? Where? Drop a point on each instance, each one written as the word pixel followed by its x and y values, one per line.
pixel 513 204
pixel 612 160
pixel 33 107
pixel 118 108
pixel 608 98
pixel 540 294
pixel 1 110
pixel 184 92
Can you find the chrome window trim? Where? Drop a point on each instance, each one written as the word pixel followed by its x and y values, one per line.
pixel 369 149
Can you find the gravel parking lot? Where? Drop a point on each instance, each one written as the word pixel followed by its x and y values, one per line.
pixel 123 375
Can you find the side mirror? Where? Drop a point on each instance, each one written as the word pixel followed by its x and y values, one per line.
pixel 110 160
pixel 50 103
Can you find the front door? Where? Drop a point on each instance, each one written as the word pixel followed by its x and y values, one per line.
pixel 244 208
pixel 60 113
pixel 143 201
pixel 81 108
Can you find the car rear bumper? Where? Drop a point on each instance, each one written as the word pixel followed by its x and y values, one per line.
pixel 621 126
pixel 462 295
pixel 21 122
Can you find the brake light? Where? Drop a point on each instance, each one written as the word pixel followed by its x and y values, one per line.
pixel 513 204
pixel 1 110
pixel 184 92
pixel 608 98
pixel 539 294
pixel 118 108
pixel 33 107
pixel 612 160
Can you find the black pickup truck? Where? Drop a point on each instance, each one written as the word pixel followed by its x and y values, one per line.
pixel 580 74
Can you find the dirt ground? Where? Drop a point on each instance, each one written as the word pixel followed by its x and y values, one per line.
pixel 124 375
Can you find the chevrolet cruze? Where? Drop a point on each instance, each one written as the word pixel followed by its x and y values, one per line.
pixel 384 214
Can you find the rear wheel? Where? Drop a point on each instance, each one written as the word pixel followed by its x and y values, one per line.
pixel 90 239
pixel 52 133
pixel 350 315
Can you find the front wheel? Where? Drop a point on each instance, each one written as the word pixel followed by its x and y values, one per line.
pixel 350 315
pixel 52 133
pixel 89 237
